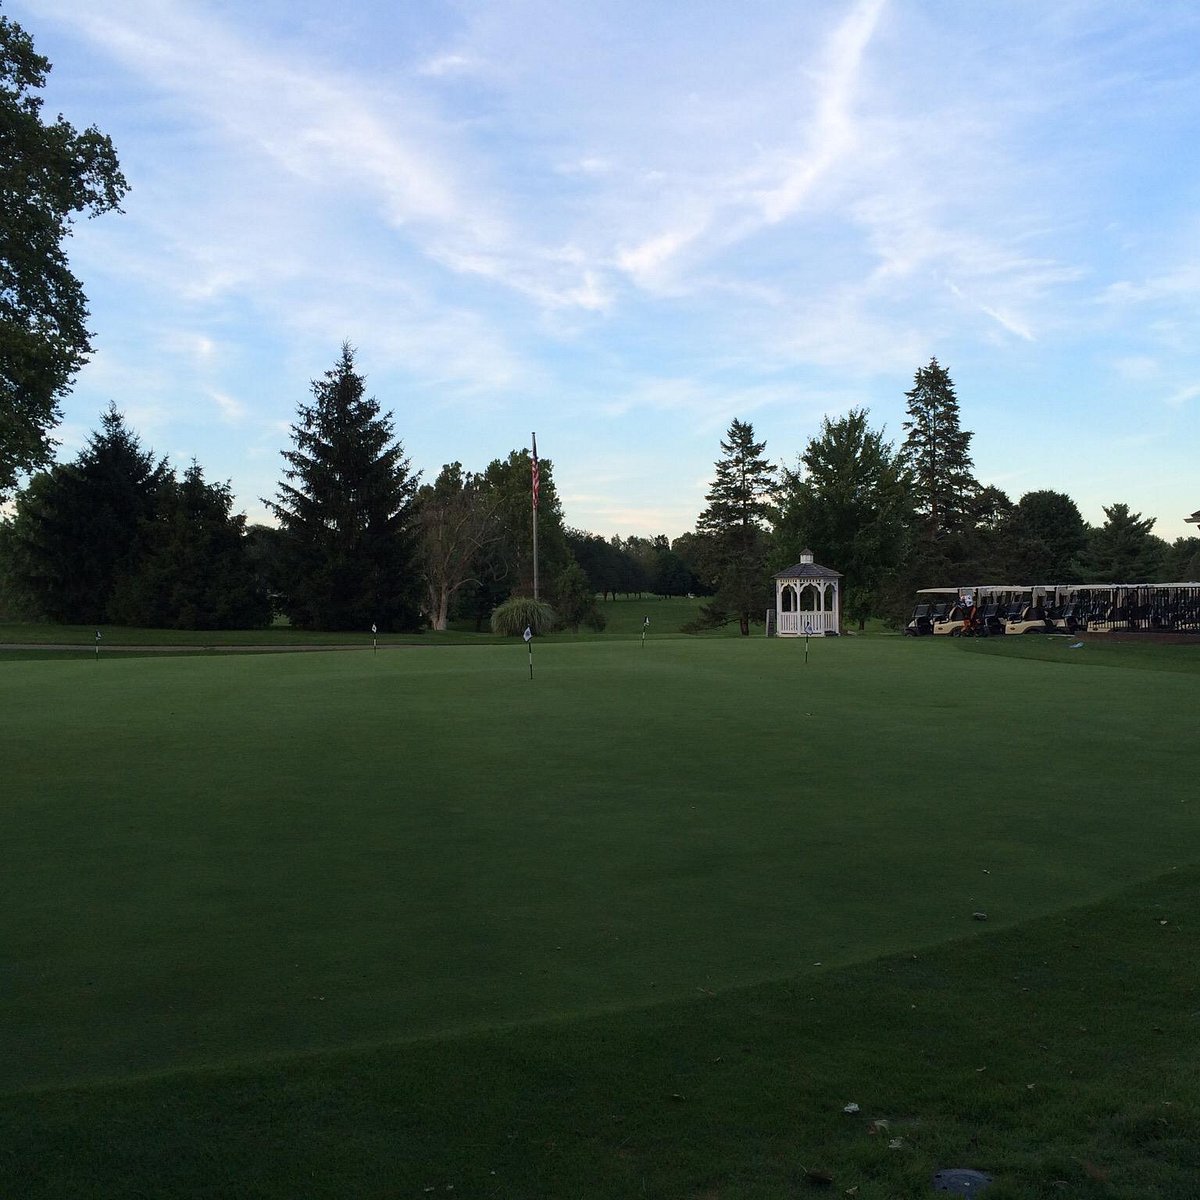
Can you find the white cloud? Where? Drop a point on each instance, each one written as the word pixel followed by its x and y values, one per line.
pixel 231 410
pixel 1184 395
pixel 834 135
pixel 448 64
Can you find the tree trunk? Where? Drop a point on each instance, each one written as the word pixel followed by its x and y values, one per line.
pixel 439 605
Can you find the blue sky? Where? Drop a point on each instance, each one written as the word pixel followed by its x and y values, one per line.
pixel 624 224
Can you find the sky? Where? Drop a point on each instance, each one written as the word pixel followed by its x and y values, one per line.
pixel 622 225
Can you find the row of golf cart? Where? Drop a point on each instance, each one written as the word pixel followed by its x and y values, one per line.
pixel 994 610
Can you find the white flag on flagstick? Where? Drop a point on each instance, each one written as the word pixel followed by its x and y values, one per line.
pixel 373 629
pixel 528 634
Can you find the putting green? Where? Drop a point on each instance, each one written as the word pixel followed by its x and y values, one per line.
pixel 216 859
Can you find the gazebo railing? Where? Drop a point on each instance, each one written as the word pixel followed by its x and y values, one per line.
pixel 807 622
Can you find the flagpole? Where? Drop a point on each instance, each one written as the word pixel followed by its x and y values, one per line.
pixel 529 643
pixel 536 486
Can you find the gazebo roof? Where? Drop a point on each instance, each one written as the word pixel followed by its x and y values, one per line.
pixel 807 570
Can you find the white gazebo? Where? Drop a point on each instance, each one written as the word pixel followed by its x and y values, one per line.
pixel 808 600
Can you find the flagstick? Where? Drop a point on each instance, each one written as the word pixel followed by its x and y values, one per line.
pixel 531 660
pixel 536 486
pixel 806 648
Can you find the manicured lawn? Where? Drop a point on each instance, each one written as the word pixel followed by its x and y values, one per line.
pixel 237 889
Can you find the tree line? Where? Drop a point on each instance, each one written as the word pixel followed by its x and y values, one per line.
pixel 893 519
pixel 118 535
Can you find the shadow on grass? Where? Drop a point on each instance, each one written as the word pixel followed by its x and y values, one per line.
pixel 1060 1056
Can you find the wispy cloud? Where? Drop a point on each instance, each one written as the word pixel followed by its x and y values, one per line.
pixel 834 134
pixel 664 216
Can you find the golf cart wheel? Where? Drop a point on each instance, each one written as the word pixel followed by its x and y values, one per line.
pixel 956 633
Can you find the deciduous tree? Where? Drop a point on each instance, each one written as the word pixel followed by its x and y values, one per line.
pixel 458 516
pixel 1045 535
pixel 504 566
pixel 848 501
pixel 48 173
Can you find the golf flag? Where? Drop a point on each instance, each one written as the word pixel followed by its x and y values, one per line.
pixel 373 628
pixel 528 634
pixel 645 626
pixel 646 623
pixel 97 635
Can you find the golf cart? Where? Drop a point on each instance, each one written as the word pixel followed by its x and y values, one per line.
pixel 958 621
pixel 932 606
pixel 1029 618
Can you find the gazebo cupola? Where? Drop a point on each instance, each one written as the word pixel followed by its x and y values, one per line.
pixel 808 600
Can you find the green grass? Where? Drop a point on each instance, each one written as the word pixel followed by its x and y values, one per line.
pixel 624 620
pixel 412 918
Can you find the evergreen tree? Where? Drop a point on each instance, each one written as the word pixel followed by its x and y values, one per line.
pixel 193 569
pixel 735 522
pixel 848 502
pixel 78 526
pixel 1123 550
pixel 937 454
pixel 48 173
pixel 346 512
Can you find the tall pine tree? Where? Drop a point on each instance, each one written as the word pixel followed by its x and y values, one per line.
pixel 734 529
pixel 346 512
pixel 937 453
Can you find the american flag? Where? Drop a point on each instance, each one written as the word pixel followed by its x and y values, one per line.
pixel 535 474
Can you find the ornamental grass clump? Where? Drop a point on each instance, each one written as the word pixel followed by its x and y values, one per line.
pixel 519 613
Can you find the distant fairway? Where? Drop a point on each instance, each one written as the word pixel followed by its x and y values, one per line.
pixel 211 860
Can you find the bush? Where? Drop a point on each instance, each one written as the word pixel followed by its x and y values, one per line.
pixel 575 602
pixel 519 613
